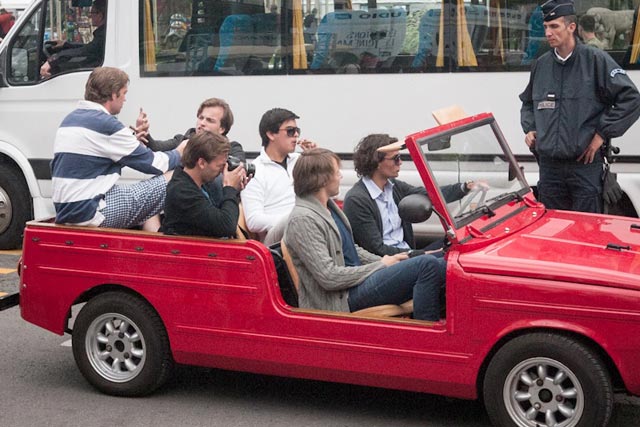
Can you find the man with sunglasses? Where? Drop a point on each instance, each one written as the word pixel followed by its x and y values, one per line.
pixel 372 204
pixel 269 197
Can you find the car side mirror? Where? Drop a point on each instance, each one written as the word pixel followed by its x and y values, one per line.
pixel 415 208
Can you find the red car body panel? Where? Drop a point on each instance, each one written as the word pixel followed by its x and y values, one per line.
pixel 221 304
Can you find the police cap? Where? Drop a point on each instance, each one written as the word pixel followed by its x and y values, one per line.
pixel 553 9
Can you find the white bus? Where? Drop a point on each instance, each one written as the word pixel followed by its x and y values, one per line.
pixel 370 68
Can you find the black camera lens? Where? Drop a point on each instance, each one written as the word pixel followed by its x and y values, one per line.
pixel 233 162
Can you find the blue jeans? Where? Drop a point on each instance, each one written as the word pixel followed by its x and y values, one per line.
pixel 421 278
pixel 572 186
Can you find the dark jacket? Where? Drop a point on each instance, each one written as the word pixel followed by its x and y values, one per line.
pixel 169 144
pixel 75 55
pixel 188 211
pixel 592 95
pixel 366 221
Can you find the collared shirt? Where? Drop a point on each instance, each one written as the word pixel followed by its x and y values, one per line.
pixel 560 57
pixel 392 232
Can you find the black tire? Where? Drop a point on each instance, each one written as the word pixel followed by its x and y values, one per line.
pixel 135 358
pixel 514 384
pixel 15 206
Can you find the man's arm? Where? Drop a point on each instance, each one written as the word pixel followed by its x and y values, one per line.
pixel 527 118
pixel 618 91
pixel 125 149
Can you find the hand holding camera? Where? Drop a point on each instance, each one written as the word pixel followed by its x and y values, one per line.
pixel 237 174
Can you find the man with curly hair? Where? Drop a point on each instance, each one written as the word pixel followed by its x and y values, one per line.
pixel 372 204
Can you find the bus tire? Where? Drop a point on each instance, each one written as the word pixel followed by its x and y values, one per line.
pixel 121 346
pixel 15 206
pixel 544 379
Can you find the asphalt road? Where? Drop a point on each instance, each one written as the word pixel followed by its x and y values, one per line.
pixel 40 386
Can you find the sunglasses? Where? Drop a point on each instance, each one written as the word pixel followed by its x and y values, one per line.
pixel 396 159
pixel 291 131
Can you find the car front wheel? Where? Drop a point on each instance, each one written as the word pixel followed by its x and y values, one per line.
pixel 546 379
pixel 120 345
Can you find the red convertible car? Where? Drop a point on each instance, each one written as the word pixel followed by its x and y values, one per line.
pixel 542 319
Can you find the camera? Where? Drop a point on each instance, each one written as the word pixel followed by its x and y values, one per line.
pixel 233 162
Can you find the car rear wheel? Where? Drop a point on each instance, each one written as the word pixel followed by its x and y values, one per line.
pixel 121 346
pixel 544 379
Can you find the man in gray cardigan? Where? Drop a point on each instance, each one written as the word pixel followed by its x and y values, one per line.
pixel 336 274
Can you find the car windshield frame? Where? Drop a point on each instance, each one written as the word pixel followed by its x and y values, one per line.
pixel 440 139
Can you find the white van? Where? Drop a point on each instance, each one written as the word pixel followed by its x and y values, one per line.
pixel 372 70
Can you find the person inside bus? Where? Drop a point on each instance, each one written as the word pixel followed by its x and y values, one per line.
pixel 189 208
pixel 587 32
pixel 269 197
pixel 372 203
pixel 70 56
pixel 214 115
pixel 335 273
pixel 90 149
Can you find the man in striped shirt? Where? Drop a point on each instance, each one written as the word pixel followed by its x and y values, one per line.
pixel 91 148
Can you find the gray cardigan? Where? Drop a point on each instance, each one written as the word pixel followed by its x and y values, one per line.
pixel 316 251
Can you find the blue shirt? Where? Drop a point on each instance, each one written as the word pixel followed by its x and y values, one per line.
pixel 392 232
pixel 351 258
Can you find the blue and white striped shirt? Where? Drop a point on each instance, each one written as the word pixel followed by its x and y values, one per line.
pixel 89 152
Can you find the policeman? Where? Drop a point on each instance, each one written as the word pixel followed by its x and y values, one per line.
pixel 577 99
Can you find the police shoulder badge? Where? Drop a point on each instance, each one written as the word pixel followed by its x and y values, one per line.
pixel 615 71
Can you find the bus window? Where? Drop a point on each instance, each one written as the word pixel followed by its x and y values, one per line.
pixel 73 39
pixel 506 37
pixel 204 37
pixel 75 36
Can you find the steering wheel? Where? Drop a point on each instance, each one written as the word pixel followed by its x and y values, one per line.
pixel 477 191
pixel 49 48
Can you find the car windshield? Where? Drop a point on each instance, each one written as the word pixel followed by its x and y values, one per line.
pixel 474 155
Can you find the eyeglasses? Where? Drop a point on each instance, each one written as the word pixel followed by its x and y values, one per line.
pixel 396 159
pixel 291 131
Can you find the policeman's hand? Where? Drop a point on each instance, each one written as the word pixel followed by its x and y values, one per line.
pixel 589 154
pixel 389 260
pixel 530 139
pixel 236 178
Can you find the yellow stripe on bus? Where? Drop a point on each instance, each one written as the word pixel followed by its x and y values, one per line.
pixel 7 270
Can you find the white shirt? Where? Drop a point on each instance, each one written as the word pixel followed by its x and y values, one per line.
pixel 392 232
pixel 269 196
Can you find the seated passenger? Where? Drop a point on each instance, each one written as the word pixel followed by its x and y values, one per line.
pixel 70 56
pixel 336 274
pixel 214 115
pixel 90 149
pixel 372 204
pixel 189 209
pixel 269 196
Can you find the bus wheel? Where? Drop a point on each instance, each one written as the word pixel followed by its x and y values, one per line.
pixel 545 379
pixel 15 206
pixel 121 346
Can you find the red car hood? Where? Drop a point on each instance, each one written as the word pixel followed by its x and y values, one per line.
pixel 567 246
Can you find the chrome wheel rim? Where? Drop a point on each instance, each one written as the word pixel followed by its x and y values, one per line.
pixel 5 210
pixel 543 392
pixel 115 347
